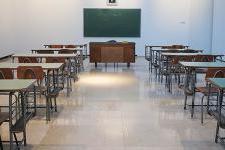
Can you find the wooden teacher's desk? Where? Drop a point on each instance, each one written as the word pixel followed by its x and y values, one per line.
pixel 112 52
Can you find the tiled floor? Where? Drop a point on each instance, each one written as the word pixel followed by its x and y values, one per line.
pixel 121 109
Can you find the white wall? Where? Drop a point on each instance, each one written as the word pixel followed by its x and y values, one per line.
pixel 29 24
pixel 219 26
pixel 6 26
pixel 201 24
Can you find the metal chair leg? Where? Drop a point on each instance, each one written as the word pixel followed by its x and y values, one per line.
pixel 14 134
pixel 217 132
pixel 192 105
pixel 24 137
pixel 1 146
pixel 202 109
pixel 55 104
pixel 185 102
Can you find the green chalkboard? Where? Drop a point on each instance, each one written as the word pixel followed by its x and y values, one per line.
pixel 112 22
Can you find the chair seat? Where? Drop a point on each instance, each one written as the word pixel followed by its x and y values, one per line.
pixel 205 90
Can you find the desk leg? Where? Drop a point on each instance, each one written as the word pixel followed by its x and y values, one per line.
pixel 23 99
pixel 47 96
pixel 219 119
pixel 193 90
pixel 10 123
pixel 128 65
pixel 96 64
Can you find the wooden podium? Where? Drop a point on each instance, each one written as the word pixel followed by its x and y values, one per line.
pixel 110 52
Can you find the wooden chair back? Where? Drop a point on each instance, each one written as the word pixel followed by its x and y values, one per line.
pixel 33 72
pixel 190 51
pixel 66 51
pixel 2 76
pixel 27 60
pixel 45 52
pixel 176 59
pixel 215 73
pixel 178 47
pixel 55 60
pixel 70 46
pixel 55 46
pixel 204 58
pixel 166 47
pixel 6 73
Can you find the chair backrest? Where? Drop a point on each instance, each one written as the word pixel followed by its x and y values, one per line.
pixel 70 46
pixel 6 73
pixel 66 51
pixel 55 60
pixel 55 46
pixel 27 60
pixel 190 51
pixel 204 58
pixel 178 46
pixel 30 72
pixel 176 59
pixel 2 76
pixel 174 51
pixel 215 73
pixel 166 47
pixel 45 51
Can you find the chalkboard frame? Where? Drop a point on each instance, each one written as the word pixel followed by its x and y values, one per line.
pixel 115 29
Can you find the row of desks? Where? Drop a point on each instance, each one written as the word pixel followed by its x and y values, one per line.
pixel 164 57
pixel 21 86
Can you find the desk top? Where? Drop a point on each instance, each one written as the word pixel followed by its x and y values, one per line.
pixel 76 45
pixel 46 55
pixel 189 54
pixel 43 65
pixel 112 43
pixel 178 50
pixel 57 49
pixel 203 64
pixel 14 85
pixel 219 82
pixel 163 45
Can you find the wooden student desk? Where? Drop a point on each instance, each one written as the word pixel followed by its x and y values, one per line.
pixel 190 74
pixel 66 56
pixel 46 66
pixel 83 47
pixel 18 123
pixel 50 84
pixel 108 52
pixel 73 50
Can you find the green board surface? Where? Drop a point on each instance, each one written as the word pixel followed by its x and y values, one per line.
pixel 112 22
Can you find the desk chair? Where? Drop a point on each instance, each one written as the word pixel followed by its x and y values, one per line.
pixel 211 73
pixel 36 72
pixel 7 73
pixel 176 70
pixel 64 73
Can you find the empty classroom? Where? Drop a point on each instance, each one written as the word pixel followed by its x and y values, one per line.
pixel 112 75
